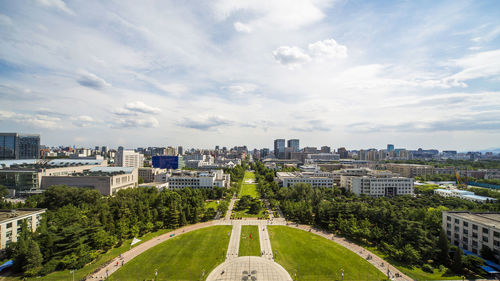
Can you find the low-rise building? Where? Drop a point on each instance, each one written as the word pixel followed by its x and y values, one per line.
pixel 148 173
pixel 464 194
pixel 473 231
pixel 25 176
pixel 108 180
pixel 315 179
pixel 410 170
pixel 378 184
pixel 197 179
pixel 11 221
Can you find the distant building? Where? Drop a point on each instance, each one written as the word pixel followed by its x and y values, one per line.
pixel 107 180
pixel 343 153
pixel 390 147
pixel 293 144
pixel 464 194
pixel 18 146
pixel 168 162
pixel 279 148
pixel 325 149
pixel 180 150
pixel 11 222
pixel 128 158
pixel 148 174
pixel 473 231
pixel 410 170
pixel 315 179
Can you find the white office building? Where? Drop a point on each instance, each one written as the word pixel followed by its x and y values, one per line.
pixel 196 179
pixel 378 184
pixel 129 158
pixel 11 221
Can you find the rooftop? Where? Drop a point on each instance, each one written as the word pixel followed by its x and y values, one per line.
pixel 6 215
pixel 489 219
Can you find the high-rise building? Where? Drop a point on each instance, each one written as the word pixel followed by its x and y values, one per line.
pixel 17 146
pixel 342 153
pixel 390 147
pixel 294 144
pixel 180 150
pixel 279 148
pixel 168 162
pixel 129 158
pixel 325 149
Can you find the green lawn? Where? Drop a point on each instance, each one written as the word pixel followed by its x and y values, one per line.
pixel 211 204
pixel 245 214
pixel 417 273
pixel 111 254
pixel 181 258
pixel 249 247
pixel 249 188
pixel 313 257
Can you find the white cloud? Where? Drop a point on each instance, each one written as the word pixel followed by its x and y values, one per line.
pixel 139 106
pixel 240 89
pixel 5 20
pixel 204 122
pixel 241 27
pixel 479 65
pixel 58 4
pixel 83 121
pixel 33 120
pixel 291 56
pixel 327 49
pixel 91 80
pixel 136 122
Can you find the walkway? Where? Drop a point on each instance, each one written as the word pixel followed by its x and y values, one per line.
pixel 230 209
pixel 234 242
pixel 129 255
pixel 249 268
pixel 265 243
pixel 375 260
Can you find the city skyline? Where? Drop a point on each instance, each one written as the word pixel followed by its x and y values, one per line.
pixel 336 73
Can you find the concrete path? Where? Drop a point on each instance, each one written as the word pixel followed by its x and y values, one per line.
pixel 117 262
pixel 230 209
pixel 375 260
pixel 249 268
pixel 265 243
pixel 234 242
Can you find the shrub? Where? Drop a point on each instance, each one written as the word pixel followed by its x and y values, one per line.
pixel 427 268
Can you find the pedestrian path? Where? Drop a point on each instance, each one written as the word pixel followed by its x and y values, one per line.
pixel 234 242
pixel 265 243
pixel 230 209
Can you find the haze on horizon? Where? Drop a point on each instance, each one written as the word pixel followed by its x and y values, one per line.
pixel 358 74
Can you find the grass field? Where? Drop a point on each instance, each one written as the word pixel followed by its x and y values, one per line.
pixel 249 188
pixel 249 247
pixel 245 214
pixel 313 257
pixel 81 273
pixel 211 204
pixel 181 258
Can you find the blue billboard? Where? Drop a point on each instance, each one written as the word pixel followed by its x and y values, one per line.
pixel 168 162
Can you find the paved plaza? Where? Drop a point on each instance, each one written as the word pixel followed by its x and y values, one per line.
pixel 249 269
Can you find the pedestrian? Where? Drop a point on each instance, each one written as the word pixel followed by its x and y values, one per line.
pixel 122 263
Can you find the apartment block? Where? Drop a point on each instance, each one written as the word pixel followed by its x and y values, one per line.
pixel 410 170
pixel 11 221
pixel 315 179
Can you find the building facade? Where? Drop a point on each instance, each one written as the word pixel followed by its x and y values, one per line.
pixel 11 222
pixel 410 170
pixel 377 184
pixel 129 158
pixel 293 144
pixel 279 148
pixel 287 179
pixel 168 162
pixel 473 231
pixel 18 146
pixel 195 179
pixel 148 174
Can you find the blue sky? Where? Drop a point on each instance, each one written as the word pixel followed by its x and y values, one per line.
pixel 340 73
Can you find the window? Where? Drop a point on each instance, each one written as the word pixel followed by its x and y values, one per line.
pixel 496 243
pixel 485 231
pixel 457 229
pixel 485 238
pixel 448 225
pixel 474 234
pixel 466 231
pixel 474 227
pixel 9 225
pixel 496 234
pixel 449 233
pixel 457 236
pixel 457 221
pixel 474 243
pixel 465 240
pixel 466 224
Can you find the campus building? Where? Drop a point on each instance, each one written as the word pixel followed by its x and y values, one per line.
pixel 464 194
pixel 315 179
pixel 378 184
pixel 23 177
pixel 410 170
pixel 11 222
pixel 168 162
pixel 149 174
pixel 473 231
pixel 107 180
pixel 196 179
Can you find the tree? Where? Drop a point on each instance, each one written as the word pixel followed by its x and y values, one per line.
pixel 444 248
pixel 34 259
pixel 3 191
pixel 457 265
pixel 140 180
pixel 487 253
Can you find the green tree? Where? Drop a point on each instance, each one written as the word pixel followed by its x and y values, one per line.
pixel 457 265
pixel 34 259
pixel 443 248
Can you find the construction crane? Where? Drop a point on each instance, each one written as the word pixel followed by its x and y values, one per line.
pixel 460 183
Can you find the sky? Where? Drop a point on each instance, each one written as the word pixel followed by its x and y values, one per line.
pixel 358 74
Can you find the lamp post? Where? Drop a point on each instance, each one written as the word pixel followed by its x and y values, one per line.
pixel 342 273
pixel 156 274
pixel 73 271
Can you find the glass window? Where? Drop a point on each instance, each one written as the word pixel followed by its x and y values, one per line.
pixel 466 224
pixel 474 227
pixel 485 238
pixel 9 225
pixel 466 231
pixel 457 221
pixel 496 234
pixel 474 234
pixel 485 231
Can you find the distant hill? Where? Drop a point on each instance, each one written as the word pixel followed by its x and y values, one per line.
pixel 494 150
